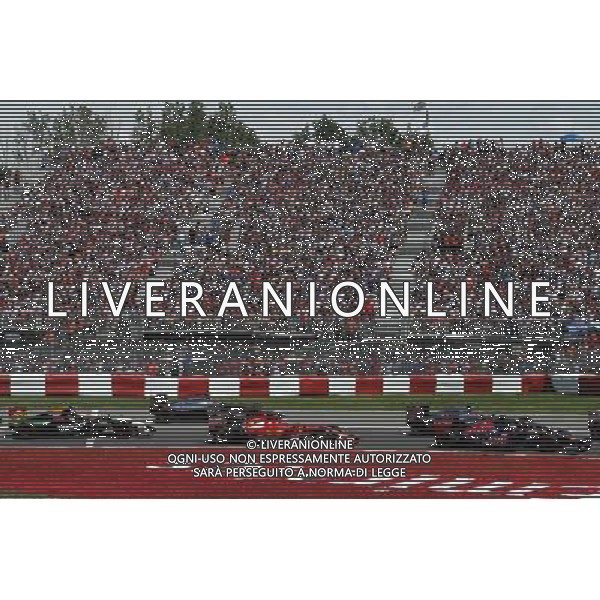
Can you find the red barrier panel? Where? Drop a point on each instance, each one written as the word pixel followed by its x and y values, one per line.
pixel 128 385
pixel 62 385
pixel 536 383
pixel 369 386
pixel 4 385
pixel 478 384
pixel 192 386
pixel 589 385
pixel 422 384
pixel 134 385
pixel 254 387
pixel 314 386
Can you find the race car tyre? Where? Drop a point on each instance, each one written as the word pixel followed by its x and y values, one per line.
pixel 545 448
pixel 418 430
pixel 309 438
pixel 143 431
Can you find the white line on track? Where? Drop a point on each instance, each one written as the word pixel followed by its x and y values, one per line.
pixel 582 495
pixel 449 485
pixel 490 487
pixel 527 489
pixel 420 479
pixel 581 486
pixel 89 442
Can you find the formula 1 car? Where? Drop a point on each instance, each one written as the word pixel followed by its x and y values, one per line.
pixel 233 424
pixel 505 433
pixel 109 426
pixel 420 419
pixel 69 423
pixel 318 431
pixel 65 423
pixel 189 409
pixel 594 425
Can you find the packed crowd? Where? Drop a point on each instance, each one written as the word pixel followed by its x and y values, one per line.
pixel 197 212
pixel 304 214
pixel 281 213
pixel 520 214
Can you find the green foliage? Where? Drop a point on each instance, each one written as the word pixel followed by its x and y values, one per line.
pixel 382 133
pixel 39 127
pixel 323 131
pixel 327 131
pixel 196 121
pixel 173 121
pixel 223 126
pixel 146 128
pixel 76 126
pixel 379 132
pixel 374 132
pixel 180 123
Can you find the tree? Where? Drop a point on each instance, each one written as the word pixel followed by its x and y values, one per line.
pixel 323 131
pixel 196 121
pixel 326 130
pixel 384 134
pixel 379 132
pixel 173 121
pixel 181 122
pixel 77 126
pixel 224 127
pixel 39 129
pixel 146 128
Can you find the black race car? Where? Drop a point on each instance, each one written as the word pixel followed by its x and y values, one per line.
pixel 317 431
pixel 189 409
pixel 109 426
pixel 69 423
pixel 420 419
pixel 594 425
pixel 66 423
pixel 503 432
pixel 550 439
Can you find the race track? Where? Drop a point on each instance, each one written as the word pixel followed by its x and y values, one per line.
pixel 140 468
pixel 381 430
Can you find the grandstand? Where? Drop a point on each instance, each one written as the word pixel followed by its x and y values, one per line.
pixel 518 214
pixel 201 211
pixel 127 213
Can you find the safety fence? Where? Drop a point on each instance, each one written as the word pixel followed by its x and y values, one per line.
pixel 137 385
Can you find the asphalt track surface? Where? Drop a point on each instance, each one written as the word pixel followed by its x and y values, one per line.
pixel 140 467
pixel 377 430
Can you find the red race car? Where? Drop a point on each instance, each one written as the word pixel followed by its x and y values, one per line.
pixel 233 424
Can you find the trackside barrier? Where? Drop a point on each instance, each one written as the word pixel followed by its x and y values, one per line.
pixel 139 386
